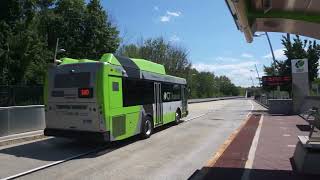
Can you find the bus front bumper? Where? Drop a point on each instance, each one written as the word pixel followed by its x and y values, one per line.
pixel 81 135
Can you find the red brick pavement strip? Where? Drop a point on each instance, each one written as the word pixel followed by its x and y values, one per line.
pixel 235 156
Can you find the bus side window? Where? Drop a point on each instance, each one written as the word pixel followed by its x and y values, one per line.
pixel 137 92
pixel 115 92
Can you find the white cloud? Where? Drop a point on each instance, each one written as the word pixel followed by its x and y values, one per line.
pixel 156 8
pixel 165 18
pixel 238 71
pixel 246 55
pixel 214 67
pixel 174 38
pixel 278 54
pixel 175 14
pixel 169 15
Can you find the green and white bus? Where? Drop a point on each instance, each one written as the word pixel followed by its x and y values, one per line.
pixel 111 99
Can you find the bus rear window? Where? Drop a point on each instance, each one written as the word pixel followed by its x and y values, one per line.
pixel 72 80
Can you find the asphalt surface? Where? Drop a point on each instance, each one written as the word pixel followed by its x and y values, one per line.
pixel 173 152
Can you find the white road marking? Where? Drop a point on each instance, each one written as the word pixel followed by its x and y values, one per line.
pixel 252 107
pixel 51 164
pixel 291 146
pixel 196 117
pixel 252 151
pixel 286 135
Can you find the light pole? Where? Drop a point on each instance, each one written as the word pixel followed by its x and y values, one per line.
pixel 258 76
pixel 56 52
pixel 271 48
pixel 252 81
pixel 193 74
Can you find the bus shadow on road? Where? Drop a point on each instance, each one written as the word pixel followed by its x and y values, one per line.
pixel 56 149
pixel 51 149
pixel 122 143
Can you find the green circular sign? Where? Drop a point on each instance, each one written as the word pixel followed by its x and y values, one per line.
pixel 299 64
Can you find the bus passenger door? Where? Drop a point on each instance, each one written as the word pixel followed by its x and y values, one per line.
pixel 184 98
pixel 158 118
pixel 115 92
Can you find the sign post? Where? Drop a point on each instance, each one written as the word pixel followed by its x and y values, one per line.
pixel 300 82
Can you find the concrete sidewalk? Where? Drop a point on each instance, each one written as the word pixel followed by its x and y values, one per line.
pixel 261 150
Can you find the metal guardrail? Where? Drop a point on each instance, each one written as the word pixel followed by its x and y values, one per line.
pixel 262 100
pixel 19 119
pixel 191 101
pixel 312 116
pixel 20 95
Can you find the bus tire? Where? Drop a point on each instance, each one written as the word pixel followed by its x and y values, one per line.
pixel 146 127
pixel 177 117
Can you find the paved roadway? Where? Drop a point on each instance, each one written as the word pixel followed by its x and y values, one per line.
pixel 170 153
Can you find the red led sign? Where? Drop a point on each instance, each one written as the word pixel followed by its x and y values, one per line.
pixel 85 93
pixel 275 80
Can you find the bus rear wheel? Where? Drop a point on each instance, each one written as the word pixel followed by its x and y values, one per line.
pixel 178 117
pixel 146 127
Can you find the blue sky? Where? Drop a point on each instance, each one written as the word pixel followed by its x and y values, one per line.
pixel 204 27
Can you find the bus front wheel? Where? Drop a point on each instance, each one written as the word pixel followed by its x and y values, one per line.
pixel 147 127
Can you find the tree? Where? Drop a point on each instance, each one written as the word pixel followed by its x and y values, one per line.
pixel 29 30
pixel 84 30
pixel 20 44
pixel 175 60
pixel 100 35
pixel 313 54
pixel 298 49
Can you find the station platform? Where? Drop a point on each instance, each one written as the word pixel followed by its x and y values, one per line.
pixel 261 149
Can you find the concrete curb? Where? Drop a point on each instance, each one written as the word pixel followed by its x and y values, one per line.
pixel 23 137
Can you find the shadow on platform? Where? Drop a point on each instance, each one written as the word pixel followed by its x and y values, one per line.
pixel 220 173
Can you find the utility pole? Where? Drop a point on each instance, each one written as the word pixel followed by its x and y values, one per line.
pixel 271 48
pixel 257 74
pixel 252 81
pixel 276 63
pixel 56 51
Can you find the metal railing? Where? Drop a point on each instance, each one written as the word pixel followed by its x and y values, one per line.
pixel 20 119
pixel 20 95
pixel 191 101
pixel 312 116
pixel 262 99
